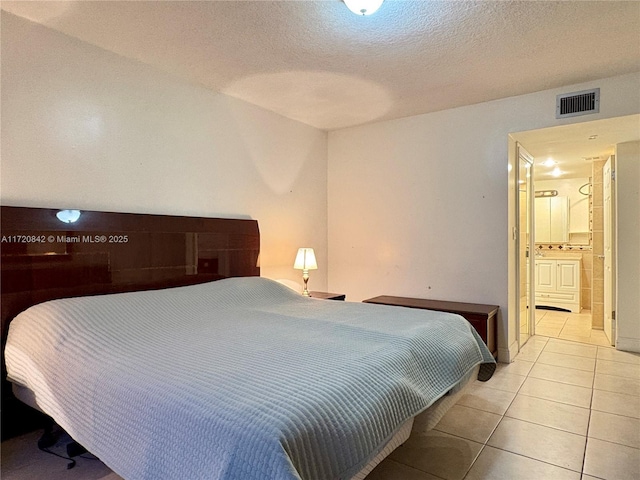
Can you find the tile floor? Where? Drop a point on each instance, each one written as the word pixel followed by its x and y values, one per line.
pixel 569 326
pixel 561 410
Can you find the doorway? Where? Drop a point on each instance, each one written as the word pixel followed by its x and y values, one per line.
pixel 590 144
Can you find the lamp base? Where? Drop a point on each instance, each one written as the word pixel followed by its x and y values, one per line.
pixel 305 278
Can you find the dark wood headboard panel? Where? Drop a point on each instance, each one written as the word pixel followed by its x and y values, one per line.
pixel 43 258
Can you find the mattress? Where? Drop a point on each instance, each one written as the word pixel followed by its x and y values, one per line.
pixel 237 379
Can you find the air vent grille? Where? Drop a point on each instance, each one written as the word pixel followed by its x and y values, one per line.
pixel 578 103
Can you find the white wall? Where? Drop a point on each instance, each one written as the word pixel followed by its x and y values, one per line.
pixel 627 181
pixel 88 129
pixel 420 206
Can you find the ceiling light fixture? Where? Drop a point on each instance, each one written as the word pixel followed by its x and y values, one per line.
pixel 556 172
pixel 549 162
pixel 363 7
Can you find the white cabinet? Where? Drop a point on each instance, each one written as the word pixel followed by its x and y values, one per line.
pixel 552 219
pixel 558 283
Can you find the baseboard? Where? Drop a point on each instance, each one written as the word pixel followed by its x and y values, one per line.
pixel 506 355
pixel 628 344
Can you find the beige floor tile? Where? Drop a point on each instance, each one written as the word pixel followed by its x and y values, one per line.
pixel 388 469
pixel 611 461
pixel 528 355
pixel 537 342
pixel 487 399
pixel 517 367
pixel 546 444
pixel 570 348
pixel 557 392
pixel 589 477
pixel 615 429
pixel 496 464
pixel 618 356
pixel 612 383
pixel 583 321
pixel 547 330
pixel 618 369
pixel 568 361
pixel 502 380
pixel 570 376
pixel 596 338
pixel 438 453
pixel 552 322
pixel 556 314
pixel 469 423
pixel 550 414
pixel 616 403
pixel 576 339
pixel 577 331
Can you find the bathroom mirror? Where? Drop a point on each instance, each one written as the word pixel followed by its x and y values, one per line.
pixel 567 212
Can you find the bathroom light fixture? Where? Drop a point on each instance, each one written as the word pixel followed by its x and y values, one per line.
pixel 549 162
pixel 305 261
pixel 68 216
pixel 556 172
pixel 363 7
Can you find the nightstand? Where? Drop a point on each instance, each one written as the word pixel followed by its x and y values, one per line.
pixel 482 317
pixel 327 295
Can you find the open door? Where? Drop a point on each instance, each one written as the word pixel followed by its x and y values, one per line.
pixel 609 229
pixel 525 229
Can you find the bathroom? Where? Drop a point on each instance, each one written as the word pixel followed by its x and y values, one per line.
pixel 569 226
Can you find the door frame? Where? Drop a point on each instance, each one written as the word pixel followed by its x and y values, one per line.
pixel 522 154
pixel 609 232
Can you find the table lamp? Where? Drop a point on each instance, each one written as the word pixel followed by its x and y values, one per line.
pixel 305 261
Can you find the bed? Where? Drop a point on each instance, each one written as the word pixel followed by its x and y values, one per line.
pixel 237 378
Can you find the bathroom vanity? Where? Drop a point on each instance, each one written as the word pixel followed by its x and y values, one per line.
pixel 558 281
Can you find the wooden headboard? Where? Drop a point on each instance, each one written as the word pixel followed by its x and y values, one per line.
pixel 43 258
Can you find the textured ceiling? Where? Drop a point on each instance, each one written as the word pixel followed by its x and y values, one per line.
pixel 316 62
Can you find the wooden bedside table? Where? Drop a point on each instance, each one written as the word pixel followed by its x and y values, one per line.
pixel 327 295
pixel 482 317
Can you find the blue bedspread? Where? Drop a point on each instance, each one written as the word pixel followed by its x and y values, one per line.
pixel 239 379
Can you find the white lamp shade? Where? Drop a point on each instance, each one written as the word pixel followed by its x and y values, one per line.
pixel 363 7
pixel 305 260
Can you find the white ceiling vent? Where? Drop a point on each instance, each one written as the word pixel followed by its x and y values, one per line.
pixel 578 103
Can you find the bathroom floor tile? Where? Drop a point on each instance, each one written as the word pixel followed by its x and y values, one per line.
pixel 469 423
pixel 570 376
pixel 487 399
pixel 546 444
pixel 616 403
pixel 437 453
pixel 577 331
pixel 496 464
pixel 552 322
pixel 615 429
pixel 592 340
pixel 557 392
pixel 612 383
pixel 550 414
pixel 548 330
pixel 567 361
pixel 611 461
